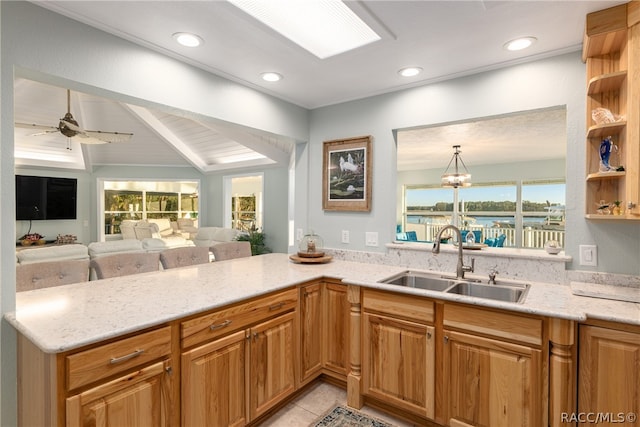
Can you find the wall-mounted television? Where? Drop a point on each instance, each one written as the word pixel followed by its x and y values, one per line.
pixel 45 198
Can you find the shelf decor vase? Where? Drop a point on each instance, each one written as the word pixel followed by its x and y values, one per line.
pixel 605 154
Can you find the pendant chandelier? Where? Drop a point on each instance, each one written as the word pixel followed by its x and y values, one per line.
pixel 456 179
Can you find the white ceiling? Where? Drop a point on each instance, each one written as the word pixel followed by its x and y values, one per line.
pixel 446 38
pixel 518 137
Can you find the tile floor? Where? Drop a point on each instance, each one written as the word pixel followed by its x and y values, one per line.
pixel 314 403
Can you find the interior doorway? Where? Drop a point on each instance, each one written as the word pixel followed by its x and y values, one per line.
pixel 243 196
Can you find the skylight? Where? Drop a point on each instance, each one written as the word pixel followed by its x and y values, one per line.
pixel 323 27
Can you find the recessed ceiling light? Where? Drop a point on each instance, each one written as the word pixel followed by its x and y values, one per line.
pixel 520 43
pixel 410 71
pixel 270 76
pixel 188 39
pixel 323 27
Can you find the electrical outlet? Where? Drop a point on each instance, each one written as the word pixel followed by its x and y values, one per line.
pixel 588 255
pixel 345 236
pixel 371 238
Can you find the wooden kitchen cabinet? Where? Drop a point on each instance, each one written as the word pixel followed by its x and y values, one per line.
pixel 491 383
pixel 214 383
pixel 335 332
pixel 398 354
pixel 611 52
pixel 311 311
pixel 138 399
pixel 609 373
pixel 272 371
pixel 324 330
pixel 129 381
pixel 237 377
pixel 493 368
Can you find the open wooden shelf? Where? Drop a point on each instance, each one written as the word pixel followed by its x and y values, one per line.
pixel 606 129
pixel 606 82
pixel 600 217
pixel 605 175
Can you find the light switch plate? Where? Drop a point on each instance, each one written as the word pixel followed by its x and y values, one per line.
pixel 371 238
pixel 588 255
pixel 345 236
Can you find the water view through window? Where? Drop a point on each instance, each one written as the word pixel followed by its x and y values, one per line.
pixel 517 214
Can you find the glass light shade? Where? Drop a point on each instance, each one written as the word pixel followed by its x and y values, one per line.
pixel 311 244
pixel 456 180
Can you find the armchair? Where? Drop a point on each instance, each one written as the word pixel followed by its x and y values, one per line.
pixel 188 227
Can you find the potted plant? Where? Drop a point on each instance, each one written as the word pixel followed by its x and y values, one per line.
pixel 256 239
pixel 616 208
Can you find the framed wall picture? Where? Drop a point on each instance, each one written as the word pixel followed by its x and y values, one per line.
pixel 346 174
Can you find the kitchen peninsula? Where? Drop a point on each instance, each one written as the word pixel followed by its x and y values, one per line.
pixel 249 333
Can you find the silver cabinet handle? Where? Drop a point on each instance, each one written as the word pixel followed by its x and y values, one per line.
pixel 276 306
pixel 115 360
pixel 220 325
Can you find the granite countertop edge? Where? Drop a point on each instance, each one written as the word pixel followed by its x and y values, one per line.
pixel 72 316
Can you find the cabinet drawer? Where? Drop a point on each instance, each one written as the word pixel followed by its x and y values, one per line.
pixel 230 319
pixel 401 306
pixel 512 326
pixel 101 362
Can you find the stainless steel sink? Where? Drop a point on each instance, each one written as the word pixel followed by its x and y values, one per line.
pixel 508 293
pixel 414 279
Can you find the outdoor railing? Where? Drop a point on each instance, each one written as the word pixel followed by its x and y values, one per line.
pixel 531 237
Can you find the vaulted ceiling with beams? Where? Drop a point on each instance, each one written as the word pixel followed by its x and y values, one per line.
pixel 159 138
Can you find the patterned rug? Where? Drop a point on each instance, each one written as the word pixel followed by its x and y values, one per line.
pixel 341 416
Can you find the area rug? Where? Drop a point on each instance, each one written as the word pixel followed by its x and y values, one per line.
pixel 341 416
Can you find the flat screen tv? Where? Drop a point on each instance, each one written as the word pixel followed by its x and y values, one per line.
pixel 45 198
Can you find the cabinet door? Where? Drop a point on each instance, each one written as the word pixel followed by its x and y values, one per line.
pixel 213 383
pixel 398 363
pixel 336 329
pixel 609 373
pixel 311 334
pixel 141 398
pixel 272 371
pixel 491 383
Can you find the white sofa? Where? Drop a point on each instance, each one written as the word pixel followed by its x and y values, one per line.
pixel 52 253
pixel 100 249
pixel 159 245
pixel 154 228
pixel 211 236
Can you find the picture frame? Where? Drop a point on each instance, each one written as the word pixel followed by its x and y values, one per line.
pixel 346 174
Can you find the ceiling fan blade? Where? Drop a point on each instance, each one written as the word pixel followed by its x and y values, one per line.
pixel 109 136
pixel 44 128
pixel 89 140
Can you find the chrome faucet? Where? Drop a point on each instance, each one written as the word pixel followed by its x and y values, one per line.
pixel 460 268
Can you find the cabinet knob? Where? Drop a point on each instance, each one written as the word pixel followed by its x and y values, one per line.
pixel 429 335
pixel 446 339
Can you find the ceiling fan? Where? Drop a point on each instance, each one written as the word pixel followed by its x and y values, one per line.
pixel 70 128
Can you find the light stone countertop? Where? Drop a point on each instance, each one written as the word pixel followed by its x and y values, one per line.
pixel 67 317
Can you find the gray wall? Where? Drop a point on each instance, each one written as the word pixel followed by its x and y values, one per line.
pixel 545 83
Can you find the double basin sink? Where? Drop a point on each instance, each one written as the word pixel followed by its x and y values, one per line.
pixel 502 291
